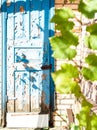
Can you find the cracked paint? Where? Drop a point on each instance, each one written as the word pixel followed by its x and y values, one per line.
pixel 28 85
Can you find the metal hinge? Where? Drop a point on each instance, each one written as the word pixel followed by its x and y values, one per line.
pixel 46 67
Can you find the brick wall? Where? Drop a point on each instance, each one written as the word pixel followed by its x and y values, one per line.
pixel 66 3
pixel 67 101
pixel 63 102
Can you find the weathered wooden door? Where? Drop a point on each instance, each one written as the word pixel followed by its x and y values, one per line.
pixel 28 63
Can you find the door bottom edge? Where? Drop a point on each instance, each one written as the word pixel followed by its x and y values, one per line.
pixel 27 121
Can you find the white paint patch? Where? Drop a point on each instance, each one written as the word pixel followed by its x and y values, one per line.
pixel 26 120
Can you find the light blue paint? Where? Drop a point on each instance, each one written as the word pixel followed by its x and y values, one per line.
pixel 28 32
pixel 4 72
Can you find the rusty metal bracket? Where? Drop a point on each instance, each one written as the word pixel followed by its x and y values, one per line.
pixel 46 67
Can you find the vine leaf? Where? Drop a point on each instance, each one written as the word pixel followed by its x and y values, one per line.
pixel 88 8
pixel 91 59
pixel 91 40
pixel 64 79
pixel 90 72
pixel 92 29
pixel 84 117
pixel 62 15
pixel 63 46
pixel 94 121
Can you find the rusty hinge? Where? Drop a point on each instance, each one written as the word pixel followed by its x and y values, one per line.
pixel 46 67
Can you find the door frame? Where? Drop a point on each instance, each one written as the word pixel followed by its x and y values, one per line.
pixel 4 62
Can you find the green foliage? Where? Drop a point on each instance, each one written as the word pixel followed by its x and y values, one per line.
pixel 88 7
pixel 67 78
pixel 91 40
pixel 91 59
pixel 84 117
pixel 92 29
pixel 62 45
pixel 74 127
pixel 90 72
pixel 62 15
pixel 93 122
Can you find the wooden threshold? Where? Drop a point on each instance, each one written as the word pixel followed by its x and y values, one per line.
pixel 27 120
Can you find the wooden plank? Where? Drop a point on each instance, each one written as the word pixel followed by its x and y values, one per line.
pixel 70 116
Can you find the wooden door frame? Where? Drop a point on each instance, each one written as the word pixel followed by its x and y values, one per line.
pixel 4 61
pixel 52 87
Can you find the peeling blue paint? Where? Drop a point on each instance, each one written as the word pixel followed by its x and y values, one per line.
pixel 28 49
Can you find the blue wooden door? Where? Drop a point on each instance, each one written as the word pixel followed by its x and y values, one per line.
pixel 28 56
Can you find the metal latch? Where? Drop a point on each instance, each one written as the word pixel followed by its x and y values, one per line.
pixel 46 67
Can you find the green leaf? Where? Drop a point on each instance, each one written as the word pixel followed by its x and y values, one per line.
pixel 61 48
pixel 91 59
pixel 86 104
pixel 90 73
pixel 94 122
pixel 61 15
pixel 67 85
pixel 64 79
pixel 68 53
pixel 91 42
pixel 65 40
pixel 84 117
pixel 92 29
pixel 67 71
pixel 70 38
pixel 70 70
pixel 88 8
pixel 67 25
